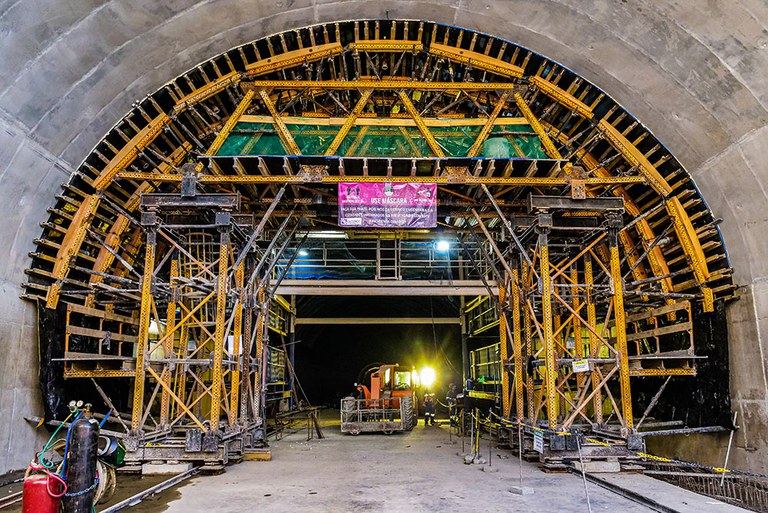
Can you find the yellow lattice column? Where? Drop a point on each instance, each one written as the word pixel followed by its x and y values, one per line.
pixel 237 331
pixel 263 308
pixel 517 345
pixel 528 330
pixel 143 337
pixel 170 326
pixel 621 324
pixel 506 405
pixel 221 309
pixel 594 348
pixel 577 333
pixel 550 355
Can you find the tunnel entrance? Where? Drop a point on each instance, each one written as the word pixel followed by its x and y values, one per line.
pixel 381 158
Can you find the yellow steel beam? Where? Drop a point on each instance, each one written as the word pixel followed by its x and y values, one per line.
pixel 282 130
pixel 529 349
pixel 576 321
pixel 483 135
pixel 206 91
pixel 550 356
pixel 260 352
pixel 562 97
pixel 594 348
pixel 350 121
pixel 476 60
pixel 168 349
pixel 662 372
pixel 294 58
pixel 689 241
pixel 218 349
pixel 506 405
pixel 431 142
pixel 448 87
pixel 237 355
pixel 517 346
pixel 130 151
pixel 621 335
pixel 141 346
pixel 384 122
pixel 546 142
pixel 517 181
pixel 70 246
pixel 386 45
pixel 634 157
pixel 230 124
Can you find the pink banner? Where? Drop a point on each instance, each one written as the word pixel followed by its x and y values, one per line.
pixel 387 205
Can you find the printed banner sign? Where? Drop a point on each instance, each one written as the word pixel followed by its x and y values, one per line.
pixel 538 441
pixel 387 205
pixel 581 366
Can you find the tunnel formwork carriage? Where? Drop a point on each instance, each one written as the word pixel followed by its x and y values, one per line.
pixel 173 253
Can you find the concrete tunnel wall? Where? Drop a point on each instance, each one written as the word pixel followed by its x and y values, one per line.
pixel 695 73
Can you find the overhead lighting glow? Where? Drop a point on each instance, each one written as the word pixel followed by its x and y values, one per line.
pixel 442 246
pixel 327 234
pixel 303 252
pixel 427 376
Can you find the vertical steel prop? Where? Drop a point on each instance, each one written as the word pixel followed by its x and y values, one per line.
pixel 149 221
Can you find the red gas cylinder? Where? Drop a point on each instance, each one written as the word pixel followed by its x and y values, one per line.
pixel 38 496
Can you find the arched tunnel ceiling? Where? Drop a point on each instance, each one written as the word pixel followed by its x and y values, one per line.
pixel 406 70
pixel 692 75
pixel 694 86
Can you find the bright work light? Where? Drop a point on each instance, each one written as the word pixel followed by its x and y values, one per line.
pixel 442 246
pixel 427 376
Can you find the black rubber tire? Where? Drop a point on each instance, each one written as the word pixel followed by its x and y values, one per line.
pixel 348 406
pixel 409 420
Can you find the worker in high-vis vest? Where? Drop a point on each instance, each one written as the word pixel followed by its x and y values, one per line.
pixel 429 409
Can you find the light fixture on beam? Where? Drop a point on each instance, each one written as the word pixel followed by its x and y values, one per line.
pixel 327 234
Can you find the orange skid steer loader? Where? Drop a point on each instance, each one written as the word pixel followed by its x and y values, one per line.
pixel 389 404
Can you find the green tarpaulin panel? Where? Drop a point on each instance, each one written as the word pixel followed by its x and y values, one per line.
pixel 382 141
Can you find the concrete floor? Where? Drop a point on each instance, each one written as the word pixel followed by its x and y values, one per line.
pixel 417 471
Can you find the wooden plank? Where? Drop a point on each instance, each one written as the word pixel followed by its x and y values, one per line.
pixel 657 312
pixel 79 356
pixel 101 314
pixel 100 334
pixel 666 330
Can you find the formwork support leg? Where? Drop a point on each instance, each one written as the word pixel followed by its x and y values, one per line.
pixel 550 379
pixel 614 224
pixel 143 337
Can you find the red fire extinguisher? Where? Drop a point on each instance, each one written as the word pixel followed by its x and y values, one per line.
pixel 42 492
